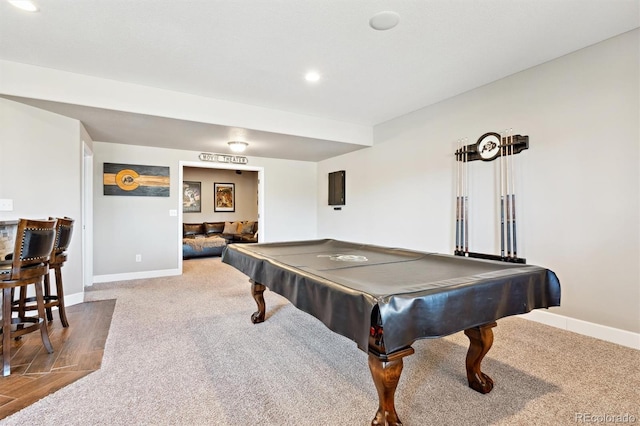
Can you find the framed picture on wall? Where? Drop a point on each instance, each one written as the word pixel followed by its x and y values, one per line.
pixel 191 199
pixel 224 196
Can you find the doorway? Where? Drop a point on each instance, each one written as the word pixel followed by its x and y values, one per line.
pixel 220 166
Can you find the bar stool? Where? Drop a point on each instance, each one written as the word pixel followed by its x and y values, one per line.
pixel 33 245
pixel 64 229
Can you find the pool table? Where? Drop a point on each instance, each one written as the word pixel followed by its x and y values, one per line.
pixel 386 298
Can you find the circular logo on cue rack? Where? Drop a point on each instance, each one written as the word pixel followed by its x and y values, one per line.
pixel 488 146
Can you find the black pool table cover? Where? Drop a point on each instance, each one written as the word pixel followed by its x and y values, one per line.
pixel 419 295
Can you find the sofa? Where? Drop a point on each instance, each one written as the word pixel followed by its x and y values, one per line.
pixel 210 238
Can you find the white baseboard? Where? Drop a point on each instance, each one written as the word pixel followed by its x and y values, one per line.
pixel 73 299
pixel 135 275
pixel 602 332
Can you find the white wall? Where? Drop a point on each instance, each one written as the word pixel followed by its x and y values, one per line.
pixel 126 226
pixel 41 158
pixel 578 184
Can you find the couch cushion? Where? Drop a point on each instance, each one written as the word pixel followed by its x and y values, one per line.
pixel 190 229
pixel 213 227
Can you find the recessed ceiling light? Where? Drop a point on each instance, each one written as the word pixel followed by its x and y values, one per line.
pixel 312 76
pixel 383 21
pixel 24 5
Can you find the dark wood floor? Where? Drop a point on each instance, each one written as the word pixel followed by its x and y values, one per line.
pixel 77 352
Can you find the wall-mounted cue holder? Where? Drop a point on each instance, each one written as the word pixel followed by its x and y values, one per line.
pixel 489 146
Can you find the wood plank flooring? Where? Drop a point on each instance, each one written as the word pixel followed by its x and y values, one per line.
pixel 77 351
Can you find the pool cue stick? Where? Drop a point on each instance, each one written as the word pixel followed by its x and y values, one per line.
pixel 457 159
pixel 466 197
pixel 513 199
pixel 508 197
pixel 502 144
pixel 461 196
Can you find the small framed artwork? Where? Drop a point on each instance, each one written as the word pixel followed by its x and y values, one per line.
pixel 224 197
pixel 191 200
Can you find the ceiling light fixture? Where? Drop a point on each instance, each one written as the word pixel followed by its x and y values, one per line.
pixel 238 146
pixel 383 21
pixel 312 76
pixel 24 5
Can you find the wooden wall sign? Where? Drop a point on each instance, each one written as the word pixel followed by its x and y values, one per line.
pixel 136 180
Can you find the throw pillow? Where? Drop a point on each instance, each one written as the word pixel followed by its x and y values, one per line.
pixel 230 228
pixel 247 228
pixel 238 227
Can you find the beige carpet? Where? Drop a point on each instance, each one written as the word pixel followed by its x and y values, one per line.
pixel 182 351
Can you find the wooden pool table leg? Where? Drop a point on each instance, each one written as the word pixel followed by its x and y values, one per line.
pixel 386 370
pixel 480 341
pixel 257 291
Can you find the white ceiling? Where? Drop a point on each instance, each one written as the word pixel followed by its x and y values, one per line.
pixel 256 53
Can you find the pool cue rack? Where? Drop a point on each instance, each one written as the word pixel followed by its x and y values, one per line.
pixel 518 144
pixel 489 147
